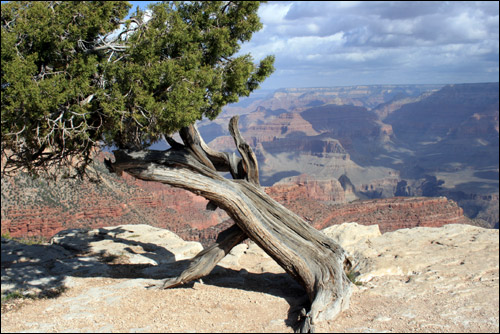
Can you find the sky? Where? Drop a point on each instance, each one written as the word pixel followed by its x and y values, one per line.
pixel 330 43
pixel 343 43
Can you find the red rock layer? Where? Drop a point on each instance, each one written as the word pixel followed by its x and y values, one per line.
pixel 279 127
pixel 304 188
pixel 398 212
pixel 131 201
pixel 138 203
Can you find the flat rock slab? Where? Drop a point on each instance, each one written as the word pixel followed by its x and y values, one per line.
pixel 413 280
pixel 114 251
pixel 423 279
pixel 140 244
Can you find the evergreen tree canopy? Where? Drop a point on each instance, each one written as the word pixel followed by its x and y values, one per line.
pixel 77 75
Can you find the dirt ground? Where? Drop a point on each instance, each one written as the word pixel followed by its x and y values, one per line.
pixel 115 305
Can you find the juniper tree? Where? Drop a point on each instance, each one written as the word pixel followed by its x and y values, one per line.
pixel 80 75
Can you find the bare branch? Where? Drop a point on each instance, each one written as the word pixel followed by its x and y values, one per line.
pixel 113 47
pixel 191 139
pixel 250 164
pixel 174 144
pixel 87 100
pixel 203 263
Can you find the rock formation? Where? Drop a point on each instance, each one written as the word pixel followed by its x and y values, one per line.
pixel 392 214
pixel 281 126
pixel 321 202
pixel 47 208
pixel 304 187
pixel 380 137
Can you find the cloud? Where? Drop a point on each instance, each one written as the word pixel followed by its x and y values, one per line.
pixel 374 41
pixel 274 12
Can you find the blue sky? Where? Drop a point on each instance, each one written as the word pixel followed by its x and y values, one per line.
pixel 338 43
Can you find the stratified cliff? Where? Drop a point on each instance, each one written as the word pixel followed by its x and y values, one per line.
pixel 323 204
pixel 115 201
pixel 396 213
pixel 37 207
pixel 386 140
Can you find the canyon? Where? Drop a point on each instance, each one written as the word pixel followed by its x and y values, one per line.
pixel 382 140
pixel 393 155
pixel 49 208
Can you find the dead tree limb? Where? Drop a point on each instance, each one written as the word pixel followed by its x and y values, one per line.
pixel 203 263
pixel 310 257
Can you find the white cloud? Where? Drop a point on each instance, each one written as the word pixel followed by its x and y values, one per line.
pixel 403 41
pixel 313 28
pixel 274 13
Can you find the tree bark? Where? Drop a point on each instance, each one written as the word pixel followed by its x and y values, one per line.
pixel 310 257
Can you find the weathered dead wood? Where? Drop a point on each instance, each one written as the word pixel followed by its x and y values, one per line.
pixel 203 263
pixel 313 259
pixel 250 165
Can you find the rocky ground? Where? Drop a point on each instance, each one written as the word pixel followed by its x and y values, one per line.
pixel 411 280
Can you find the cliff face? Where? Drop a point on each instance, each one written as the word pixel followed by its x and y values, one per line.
pixel 323 204
pixel 306 188
pixel 298 99
pixel 388 140
pixel 343 122
pixel 391 214
pixel 126 200
pixel 46 221
pixel 457 124
pixel 38 208
pixel 281 126
pixel 319 147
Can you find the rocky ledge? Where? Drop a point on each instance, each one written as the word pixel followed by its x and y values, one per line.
pixel 411 280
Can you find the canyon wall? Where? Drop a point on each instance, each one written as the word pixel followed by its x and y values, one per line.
pixel 117 201
pixel 409 140
pixel 395 213
pixel 39 208
pixel 323 204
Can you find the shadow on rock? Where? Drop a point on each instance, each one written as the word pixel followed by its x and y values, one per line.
pixel 127 251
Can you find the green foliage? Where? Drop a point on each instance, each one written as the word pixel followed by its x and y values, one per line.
pixel 351 275
pixel 12 295
pixel 46 74
pixel 72 82
pixel 32 240
pixel 46 294
pixel 28 240
pixel 6 235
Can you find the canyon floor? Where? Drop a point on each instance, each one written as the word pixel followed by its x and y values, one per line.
pixel 411 280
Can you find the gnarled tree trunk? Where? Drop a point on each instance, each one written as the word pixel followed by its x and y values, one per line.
pixel 313 259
